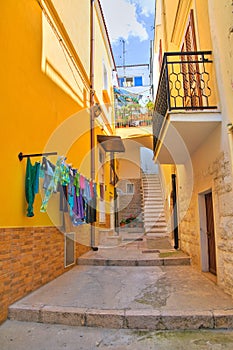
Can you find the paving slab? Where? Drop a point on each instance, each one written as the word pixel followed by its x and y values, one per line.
pixel 38 336
pixel 158 297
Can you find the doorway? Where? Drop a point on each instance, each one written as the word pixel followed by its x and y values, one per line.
pixel 210 232
pixel 208 246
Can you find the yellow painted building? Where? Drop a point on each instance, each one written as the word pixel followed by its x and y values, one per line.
pixel 193 133
pixel 56 63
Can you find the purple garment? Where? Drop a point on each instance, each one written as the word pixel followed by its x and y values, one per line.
pixel 78 208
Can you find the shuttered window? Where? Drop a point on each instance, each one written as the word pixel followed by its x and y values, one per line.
pixel 190 71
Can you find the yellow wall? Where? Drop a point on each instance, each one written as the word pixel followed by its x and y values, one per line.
pixel 174 22
pixel 43 95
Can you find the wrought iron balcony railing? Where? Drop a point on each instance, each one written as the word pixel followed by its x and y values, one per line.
pixel 185 84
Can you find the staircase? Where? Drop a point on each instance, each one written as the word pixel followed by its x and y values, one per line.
pixel 153 213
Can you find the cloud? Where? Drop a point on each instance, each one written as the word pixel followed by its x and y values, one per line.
pixel 147 7
pixel 122 20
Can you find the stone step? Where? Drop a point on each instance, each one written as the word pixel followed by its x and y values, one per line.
pixel 152 188
pixel 153 217
pixel 155 230
pixel 147 319
pixel 148 205
pixel 153 197
pixel 153 208
pixel 130 230
pixel 155 202
pixel 154 211
pixel 157 224
pixel 111 241
pixel 157 192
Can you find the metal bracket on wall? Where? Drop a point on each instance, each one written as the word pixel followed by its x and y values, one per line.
pixel 21 155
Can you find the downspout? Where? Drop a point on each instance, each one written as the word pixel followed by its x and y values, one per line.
pixel 92 102
pixel 165 26
pixel 175 214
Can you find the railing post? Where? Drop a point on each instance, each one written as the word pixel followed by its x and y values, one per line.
pixel 167 81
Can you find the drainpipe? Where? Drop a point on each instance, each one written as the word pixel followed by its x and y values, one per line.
pixel 175 221
pixel 92 101
pixel 165 25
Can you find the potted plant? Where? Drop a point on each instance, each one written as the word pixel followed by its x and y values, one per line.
pixel 122 222
pixel 129 220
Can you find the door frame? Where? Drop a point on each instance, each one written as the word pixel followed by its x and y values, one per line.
pixel 203 229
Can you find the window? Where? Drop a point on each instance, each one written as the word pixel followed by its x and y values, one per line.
pixel 121 82
pixel 102 216
pixel 130 188
pixel 137 81
pixel 129 82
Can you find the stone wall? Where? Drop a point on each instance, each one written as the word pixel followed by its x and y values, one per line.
pixel 29 258
pixel 129 204
pixel 218 177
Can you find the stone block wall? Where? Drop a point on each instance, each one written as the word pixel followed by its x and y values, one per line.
pixel 218 177
pixel 129 204
pixel 29 258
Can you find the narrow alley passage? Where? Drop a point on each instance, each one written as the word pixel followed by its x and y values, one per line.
pixel 151 290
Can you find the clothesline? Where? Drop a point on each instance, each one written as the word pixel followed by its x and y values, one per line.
pixel 78 194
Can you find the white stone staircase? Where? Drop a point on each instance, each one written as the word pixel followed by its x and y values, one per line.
pixel 153 212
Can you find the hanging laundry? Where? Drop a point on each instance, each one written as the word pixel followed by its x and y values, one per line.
pixel 31 184
pixel 46 172
pixel 77 183
pixel 78 194
pixel 82 182
pixel 61 174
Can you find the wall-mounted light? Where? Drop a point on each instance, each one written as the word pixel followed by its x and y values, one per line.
pixel 230 127
pixel 97 110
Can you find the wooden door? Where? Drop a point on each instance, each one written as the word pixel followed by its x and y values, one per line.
pixel 210 232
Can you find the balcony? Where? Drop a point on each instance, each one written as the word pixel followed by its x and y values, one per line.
pixel 186 102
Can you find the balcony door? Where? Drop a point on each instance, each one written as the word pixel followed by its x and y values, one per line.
pixel 190 67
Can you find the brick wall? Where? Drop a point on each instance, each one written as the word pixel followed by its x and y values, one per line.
pixel 29 258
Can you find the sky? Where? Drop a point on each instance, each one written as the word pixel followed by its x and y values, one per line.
pixel 133 22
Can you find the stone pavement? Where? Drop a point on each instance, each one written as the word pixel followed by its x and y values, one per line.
pixel 38 336
pixel 165 296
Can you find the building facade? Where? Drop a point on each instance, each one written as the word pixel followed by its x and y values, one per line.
pixel 192 128
pixel 56 81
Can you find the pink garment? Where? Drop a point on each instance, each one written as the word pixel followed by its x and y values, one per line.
pixel 82 182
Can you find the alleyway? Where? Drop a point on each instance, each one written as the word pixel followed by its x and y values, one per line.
pixel 125 297
pixel 138 290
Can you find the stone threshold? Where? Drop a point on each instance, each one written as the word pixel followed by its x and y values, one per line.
pixel 101 261
pixel 124 318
